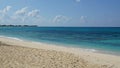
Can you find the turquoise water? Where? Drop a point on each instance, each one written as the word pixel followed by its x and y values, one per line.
pixel 104 39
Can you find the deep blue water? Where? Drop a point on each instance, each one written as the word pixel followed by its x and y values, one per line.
pixel 99 38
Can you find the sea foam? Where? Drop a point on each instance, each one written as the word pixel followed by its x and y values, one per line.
pixel 11 38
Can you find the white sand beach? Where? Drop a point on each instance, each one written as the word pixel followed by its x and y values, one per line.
pixel 26 54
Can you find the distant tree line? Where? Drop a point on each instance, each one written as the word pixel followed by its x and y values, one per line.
pixel 18 25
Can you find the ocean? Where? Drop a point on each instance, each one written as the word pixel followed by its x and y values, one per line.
pixel 99 39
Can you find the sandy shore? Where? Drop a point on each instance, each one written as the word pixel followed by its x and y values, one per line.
pixel 26 54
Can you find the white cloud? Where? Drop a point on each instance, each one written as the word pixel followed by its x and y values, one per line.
pixel 6 9
pixel 60 19
pixel 34 16
pixel 34 13
pixel 77 0
pixel 20 14
pixel 22 11
pixel 3 14
pixel 83 19
pixel 27 16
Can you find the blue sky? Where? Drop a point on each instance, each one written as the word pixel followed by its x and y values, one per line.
pixel 61 12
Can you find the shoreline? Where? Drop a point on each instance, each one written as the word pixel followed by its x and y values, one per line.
pixel 62 46
pixel 15 41
pixel 91 57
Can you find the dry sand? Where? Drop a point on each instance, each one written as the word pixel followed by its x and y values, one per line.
pixel 26 54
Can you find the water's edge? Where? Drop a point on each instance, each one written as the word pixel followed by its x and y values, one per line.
pixel 64 45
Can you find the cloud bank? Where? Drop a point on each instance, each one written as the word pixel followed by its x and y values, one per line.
pixel 20 16
pixel 26 16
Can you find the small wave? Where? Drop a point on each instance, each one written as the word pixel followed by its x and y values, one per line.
pixel 73 48
pixel 90 50
pixel 83 49
pixel 15 38
pixel 86 50
pixel 11 38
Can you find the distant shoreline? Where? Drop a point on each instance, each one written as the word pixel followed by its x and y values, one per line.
pixel 18 26
pixel 58 26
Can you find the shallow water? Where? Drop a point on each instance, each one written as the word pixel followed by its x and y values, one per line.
pixel 104 39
